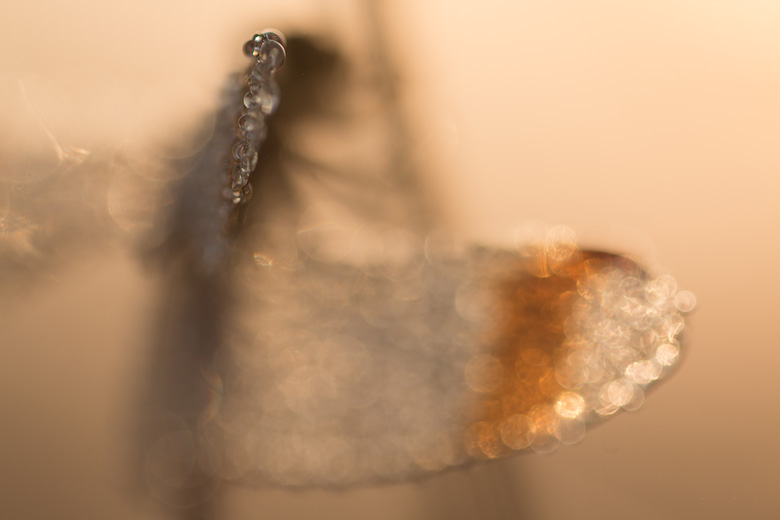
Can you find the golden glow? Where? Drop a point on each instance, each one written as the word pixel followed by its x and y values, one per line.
pixel 577 335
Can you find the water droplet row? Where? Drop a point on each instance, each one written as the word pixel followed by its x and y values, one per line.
pixel 261 98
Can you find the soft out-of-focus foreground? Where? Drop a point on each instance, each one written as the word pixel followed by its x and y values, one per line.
pixel 648 129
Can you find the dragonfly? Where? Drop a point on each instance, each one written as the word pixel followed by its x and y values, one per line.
pixel 313 330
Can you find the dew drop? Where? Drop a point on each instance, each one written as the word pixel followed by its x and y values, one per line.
pixel 643 372
pixel 252 47
pixel 248 123
pixel 517 432
pixel 272 53
pixel 667 354
pixel 570 431
pixel 685 301
pixel 252 101
pixel 569 405
pixel 265 96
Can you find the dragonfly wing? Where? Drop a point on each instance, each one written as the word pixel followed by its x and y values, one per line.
pixel 338 374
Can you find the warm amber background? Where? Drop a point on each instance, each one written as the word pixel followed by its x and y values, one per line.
pixel 651 127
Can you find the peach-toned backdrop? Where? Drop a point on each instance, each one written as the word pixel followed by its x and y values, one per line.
pixel 648 127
